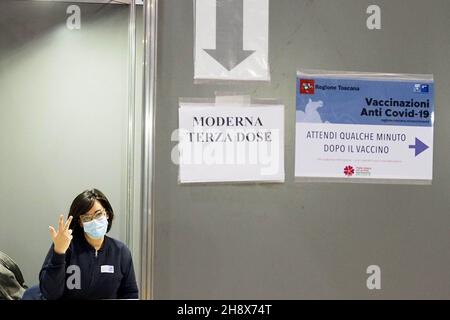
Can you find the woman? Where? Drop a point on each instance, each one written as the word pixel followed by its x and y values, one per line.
pixel 83 263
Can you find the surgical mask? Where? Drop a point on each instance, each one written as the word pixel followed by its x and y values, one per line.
pixel 96 228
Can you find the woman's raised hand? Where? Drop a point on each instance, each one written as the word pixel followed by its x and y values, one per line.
pixel 61 238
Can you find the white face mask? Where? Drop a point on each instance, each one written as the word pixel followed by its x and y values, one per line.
pixel 96 228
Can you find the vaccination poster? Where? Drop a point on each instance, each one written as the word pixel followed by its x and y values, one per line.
pixel 364 127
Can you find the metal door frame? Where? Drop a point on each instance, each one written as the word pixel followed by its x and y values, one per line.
pixel 148 137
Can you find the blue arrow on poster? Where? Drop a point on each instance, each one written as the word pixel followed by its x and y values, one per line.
pixel 419 147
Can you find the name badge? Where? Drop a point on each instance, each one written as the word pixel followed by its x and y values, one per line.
pixel 107 269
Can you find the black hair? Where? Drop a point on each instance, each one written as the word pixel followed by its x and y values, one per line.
pixel 83 203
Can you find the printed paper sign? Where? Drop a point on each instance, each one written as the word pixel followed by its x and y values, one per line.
pixel 364 126
pixel 231 40
pixel 231 143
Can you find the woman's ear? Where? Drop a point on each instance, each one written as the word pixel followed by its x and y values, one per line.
pixel 81 223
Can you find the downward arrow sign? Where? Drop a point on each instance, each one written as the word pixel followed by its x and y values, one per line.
pixel 419 147
pixel 229 50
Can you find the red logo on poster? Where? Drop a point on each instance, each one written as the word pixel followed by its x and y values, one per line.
pixel 306 86
pixel 349 171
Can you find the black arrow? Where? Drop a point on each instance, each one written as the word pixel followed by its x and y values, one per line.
pixel 229 51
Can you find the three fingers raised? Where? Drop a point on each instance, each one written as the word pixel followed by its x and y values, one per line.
pixel 62 226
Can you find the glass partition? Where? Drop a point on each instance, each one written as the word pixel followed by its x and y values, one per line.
pixel 70 95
